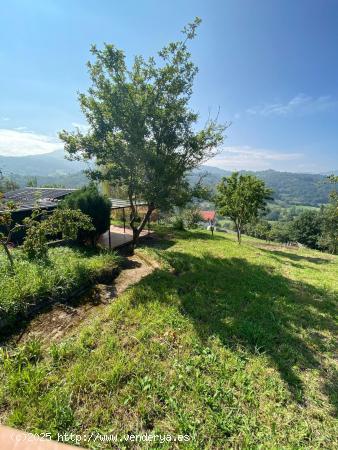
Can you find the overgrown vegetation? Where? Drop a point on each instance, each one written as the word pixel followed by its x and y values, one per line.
pixel 233 346
pixel 314 228
pixel 184 218
pixel 42 228
pixel 96 206
pixel 36 281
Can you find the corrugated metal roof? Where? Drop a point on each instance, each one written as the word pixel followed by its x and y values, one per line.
pixel 117 203
pixel 31 197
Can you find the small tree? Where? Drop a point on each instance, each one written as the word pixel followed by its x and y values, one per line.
pixel 192 217
pixel 7 228
pixel 142 131
pixel 241 198
pixel 32 182
pixel 93 204
pixel 329 232
pixel 7 184
pixel 306 229
pixel 39 232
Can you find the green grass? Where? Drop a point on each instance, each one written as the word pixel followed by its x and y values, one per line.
pixel 36 281
pixel 233 346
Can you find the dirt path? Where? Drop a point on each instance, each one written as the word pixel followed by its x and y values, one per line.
pixel 60 319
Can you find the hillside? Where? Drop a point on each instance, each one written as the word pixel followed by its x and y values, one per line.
pixel 48 164
pixel 53 168
pixel 231 347
pixel 70 180
pixel 290 188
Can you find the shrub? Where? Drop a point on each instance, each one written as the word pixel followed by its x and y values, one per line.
pixel 260 229
pixel 280 232
pixel 177 222
pixel 306 229
pixel 67 222
pixel 33 282
pixel 95 205
pixel 192 217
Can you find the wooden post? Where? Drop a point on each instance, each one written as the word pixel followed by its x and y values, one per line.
pixel 124 222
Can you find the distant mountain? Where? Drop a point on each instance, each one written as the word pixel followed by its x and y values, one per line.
pixel 48 164
pixel 289 188
pixel 53 168
pixel 70 180
pixel 331 172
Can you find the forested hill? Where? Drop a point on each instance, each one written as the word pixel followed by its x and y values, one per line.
pixel 290 188
pixel 48 164
pixel 54 169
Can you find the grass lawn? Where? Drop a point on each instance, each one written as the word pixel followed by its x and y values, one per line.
pixel 230 345
pixel 34 282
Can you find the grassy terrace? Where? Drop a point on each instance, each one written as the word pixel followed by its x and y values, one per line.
pixel 233 346
pixel 35 282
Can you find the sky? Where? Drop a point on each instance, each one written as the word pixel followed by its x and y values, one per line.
pixel 269 66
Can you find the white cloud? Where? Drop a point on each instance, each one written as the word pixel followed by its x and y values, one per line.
pixel 5 119
pixel 301 104
pixel 246 157
pixel 21 128
pixel 21 143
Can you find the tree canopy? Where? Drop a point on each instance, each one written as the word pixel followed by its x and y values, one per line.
pixel 241 198
pixel 95 205
pixel 142 133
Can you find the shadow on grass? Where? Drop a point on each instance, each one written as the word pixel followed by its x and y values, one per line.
pixel 296 257
pixel 251 306
pixel 187 235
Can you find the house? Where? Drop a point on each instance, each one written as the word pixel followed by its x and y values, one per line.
pixel 208 216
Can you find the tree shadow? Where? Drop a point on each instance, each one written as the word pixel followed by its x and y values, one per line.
pixel 252 306
pixel 296 257
pixel 161 242
pixel 187 235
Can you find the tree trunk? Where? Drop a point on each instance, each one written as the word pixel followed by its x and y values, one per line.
pixel 238 229
pixel 138 229
pixel 9 256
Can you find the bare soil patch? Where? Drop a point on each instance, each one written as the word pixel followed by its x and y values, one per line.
pixel 60 319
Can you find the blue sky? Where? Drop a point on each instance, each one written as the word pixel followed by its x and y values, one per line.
pixel 271 67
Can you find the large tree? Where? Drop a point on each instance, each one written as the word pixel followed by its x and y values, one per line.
pixel 142 132
pixel 329 237
pixel 241 197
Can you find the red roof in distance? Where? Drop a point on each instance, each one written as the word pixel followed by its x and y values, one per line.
pixel 208 215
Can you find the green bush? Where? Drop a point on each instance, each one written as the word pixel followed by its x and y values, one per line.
pixel 95 205
pixel 307 229
pixel 260 229
pixel 177 222
pixel 192 217
pixel 280 232
pixel 63 221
